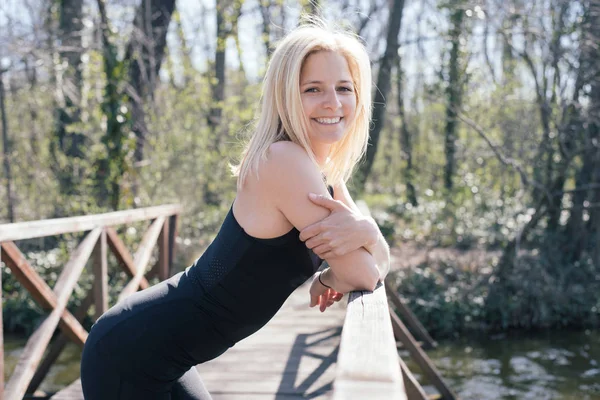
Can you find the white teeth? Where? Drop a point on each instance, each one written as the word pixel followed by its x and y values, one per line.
pixel 328 120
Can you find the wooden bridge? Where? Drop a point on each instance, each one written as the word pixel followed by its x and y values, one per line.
pixel 348 352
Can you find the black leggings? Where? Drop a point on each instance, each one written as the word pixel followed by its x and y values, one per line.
pixel 104 383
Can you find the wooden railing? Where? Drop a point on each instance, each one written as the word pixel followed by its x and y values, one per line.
pixel 368 365
pixel 30 369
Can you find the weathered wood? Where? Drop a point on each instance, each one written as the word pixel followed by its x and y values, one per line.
pixel 1 336
pixel 122 254
pixel 163 252
pixel 419 356
pixel 414 391
pixel 368 361
pixel 173 230
pixel 58 346
pixel 58 226
pixel 100 285
pixel 37 343
pixel 40 291
pixel 142 257
pixel 410 318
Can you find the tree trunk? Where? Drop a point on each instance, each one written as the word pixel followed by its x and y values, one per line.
pixel 383 88
pixel 405 140
pixel 265 11
pixel 218 87
pixel 145 53
pixel 10 205
pixel 69 143
pixel 453 97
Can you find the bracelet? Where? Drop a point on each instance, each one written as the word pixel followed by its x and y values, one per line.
pixel 321 282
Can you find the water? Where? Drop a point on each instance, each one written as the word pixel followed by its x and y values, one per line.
pixel 553 365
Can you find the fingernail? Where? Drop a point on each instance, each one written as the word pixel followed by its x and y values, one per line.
pixel 312 196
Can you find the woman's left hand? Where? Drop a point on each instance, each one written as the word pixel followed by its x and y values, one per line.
pixel 343 231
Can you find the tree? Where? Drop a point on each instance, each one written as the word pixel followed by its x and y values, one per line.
pixel 382 90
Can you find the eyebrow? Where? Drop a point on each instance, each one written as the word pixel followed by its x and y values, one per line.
pixel 320 82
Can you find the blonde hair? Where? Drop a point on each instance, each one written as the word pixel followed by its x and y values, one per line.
pixel 281 115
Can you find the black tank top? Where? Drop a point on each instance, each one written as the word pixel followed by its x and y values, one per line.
pixel 245 280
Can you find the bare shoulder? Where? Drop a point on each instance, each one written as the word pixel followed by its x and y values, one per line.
pixel 287 155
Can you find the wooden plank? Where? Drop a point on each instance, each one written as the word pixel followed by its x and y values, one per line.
pixel 122 254
pixel 163 252
pixel 1 335
pixel 58 226
pixel 173 230
pixel 38 341
pixel 40 291
pixel 414 391
pixel 419 356
pixel 142 257
pixel 58 346
pixel 100 284
pixel 410 318
pixel 368 361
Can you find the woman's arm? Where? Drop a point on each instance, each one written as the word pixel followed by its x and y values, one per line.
pixel 288 175
pixel 377 245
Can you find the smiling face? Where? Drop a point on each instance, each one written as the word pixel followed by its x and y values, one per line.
pixel 328 99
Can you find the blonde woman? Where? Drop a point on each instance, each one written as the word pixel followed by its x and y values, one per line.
pixel 311 130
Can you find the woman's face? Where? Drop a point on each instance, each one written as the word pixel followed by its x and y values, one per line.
pixel 328 97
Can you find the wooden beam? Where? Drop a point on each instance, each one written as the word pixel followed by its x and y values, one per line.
pixel 367 366
pixel 414 391
pixel 142 257
pixel 58 346
pixel 41 292
pixel 1 335
pixel 100 284
pixel 38 341
pixel 419 357
pixel 410 318
pixel 58 226
pixel 173 230
pixel 122 254
pixel 163 252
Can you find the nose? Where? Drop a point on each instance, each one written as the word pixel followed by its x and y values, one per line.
pixel 331 100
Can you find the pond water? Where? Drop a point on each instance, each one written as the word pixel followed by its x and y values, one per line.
pixel 553 365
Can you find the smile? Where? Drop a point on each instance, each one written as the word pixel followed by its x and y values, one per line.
pixel 328 121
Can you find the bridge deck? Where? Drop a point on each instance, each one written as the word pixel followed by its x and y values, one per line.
pixel 292 357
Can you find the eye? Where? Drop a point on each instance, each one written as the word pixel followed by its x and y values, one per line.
pixel 345 89
pixel 311 90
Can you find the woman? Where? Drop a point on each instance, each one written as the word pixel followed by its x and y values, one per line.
pixel 311 131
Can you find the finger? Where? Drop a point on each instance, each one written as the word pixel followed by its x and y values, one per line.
pixel 313 242
pixel 314 300
pixel 338 296
pixel 310 231
pixel 322 304
pixel 324 201
pixel 321 250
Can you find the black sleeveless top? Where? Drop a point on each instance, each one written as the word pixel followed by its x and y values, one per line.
pixel 245 280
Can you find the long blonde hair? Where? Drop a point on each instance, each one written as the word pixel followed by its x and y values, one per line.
pixel 281 116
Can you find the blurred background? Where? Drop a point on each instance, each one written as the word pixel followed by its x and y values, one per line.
pixel 483 169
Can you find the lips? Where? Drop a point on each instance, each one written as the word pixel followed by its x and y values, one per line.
pixel 328 121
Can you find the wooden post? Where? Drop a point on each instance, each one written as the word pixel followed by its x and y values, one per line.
pixel 164 252
pixel 419 356
pixel 1 335
pixel 414 391
pixel 100 286
pixel 173 229
pixel 409 317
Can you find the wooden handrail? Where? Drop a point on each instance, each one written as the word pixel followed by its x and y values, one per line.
pixel 367 366
pixel 58 226
pixel 96 243
pixel 37 343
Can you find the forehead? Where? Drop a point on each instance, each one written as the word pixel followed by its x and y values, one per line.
pixel 325 64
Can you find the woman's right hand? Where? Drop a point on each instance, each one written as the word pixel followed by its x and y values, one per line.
pixel 321 295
